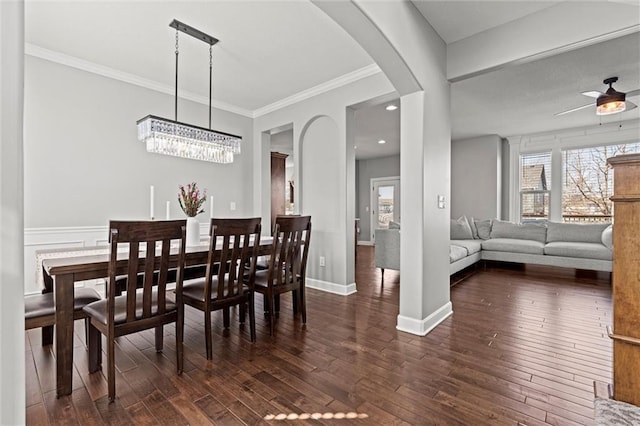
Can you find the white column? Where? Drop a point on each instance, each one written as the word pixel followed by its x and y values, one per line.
pixel 12 350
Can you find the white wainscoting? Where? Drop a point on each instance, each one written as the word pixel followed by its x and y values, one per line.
pixel 57 238
pixel 78 237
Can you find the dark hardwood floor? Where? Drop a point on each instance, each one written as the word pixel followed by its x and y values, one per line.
pixel 523 346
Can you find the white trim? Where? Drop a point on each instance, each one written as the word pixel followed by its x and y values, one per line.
pixel 64 230
pixel 343 80
pixel 84 65
pixel 81 64
pixel 330 287
pixel 422 327
pixel 365 243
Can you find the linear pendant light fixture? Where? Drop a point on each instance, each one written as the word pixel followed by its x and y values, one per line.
pixel 171 137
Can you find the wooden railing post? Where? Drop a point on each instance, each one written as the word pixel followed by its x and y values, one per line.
pixel 626 278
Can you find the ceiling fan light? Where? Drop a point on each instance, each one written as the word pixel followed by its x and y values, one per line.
pixel 612 107
pixel 610 103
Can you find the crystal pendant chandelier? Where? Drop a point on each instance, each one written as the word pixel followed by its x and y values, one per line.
pixel 171 137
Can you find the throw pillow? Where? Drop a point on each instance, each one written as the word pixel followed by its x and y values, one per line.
pixel 484 229
pixel 460 229
pixel 607 236
pixel 474 229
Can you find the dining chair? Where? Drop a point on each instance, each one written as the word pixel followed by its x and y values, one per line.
pixel 148 246
pixel 40 311
pixel 233 248
pixel 287 267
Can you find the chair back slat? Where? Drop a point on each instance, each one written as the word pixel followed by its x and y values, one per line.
pixel 233 246
pixel 151 264
pixel 290 249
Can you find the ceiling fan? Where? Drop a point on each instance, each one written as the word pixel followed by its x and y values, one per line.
pixel 609 102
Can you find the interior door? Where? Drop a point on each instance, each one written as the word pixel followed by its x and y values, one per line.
pixel 385 203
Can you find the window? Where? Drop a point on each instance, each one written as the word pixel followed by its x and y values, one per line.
pixel 587 182
pixel 535 186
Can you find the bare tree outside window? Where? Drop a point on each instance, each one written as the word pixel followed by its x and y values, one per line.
pixel 588 182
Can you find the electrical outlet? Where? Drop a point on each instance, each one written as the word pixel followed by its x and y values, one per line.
pixel 322 261
pixel 232 206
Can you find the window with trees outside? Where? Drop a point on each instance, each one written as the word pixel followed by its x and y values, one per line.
pixel 587 183
pixel 535 186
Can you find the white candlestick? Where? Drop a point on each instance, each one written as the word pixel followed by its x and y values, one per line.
pixel 211 206
pixel 151 201
pixel 168 208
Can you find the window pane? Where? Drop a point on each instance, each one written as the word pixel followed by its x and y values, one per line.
pixel 534 206
pixel 535 186
pixel 385 205
pixel 588 182
pixel 535 172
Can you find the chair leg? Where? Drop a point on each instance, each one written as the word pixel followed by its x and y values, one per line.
pixel 294 300
pixel 111 368
pixel 252 317
pixel 47 335
pixel 180 341
pixel 272 316
pixel 94 341
pixel 303 302
pixel 225 317
pixel 276 304
pixel 159 338
pixel 243 312
pixel 382 274
pixel 207 334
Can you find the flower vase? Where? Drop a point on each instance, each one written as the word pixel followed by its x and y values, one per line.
pixel 193 232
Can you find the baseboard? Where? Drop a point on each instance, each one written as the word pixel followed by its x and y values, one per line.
pixel 422 327
pixel 365 243
pixel 330 287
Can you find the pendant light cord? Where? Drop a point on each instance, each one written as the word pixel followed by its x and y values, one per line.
pixel 210 82
pixel 176 97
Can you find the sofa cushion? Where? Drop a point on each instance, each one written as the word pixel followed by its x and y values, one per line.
pixel 483 228
pixel 575 232
pixel 520 231
pixel 607 237
pixel 472 246
pixel 514 245
pixel 578 249
pixel 456 253
pixel 460 229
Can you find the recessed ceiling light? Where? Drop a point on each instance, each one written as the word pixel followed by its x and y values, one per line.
pixel 381 141
pixel 391 107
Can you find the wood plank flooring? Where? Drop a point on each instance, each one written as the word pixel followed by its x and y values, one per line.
pixel 523 347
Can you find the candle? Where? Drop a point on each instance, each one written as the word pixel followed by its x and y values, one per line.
pixel 151 200
pixel 168 208
pixel 211 206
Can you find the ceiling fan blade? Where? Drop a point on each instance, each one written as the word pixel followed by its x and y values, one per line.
pixel 592 93
pixel 574 109
pixel 630 106
pixel 633 93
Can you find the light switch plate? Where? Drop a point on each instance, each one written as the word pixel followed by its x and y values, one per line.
pixel 441 203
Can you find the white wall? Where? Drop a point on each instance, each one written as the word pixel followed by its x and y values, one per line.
pixel 476 177
pixel 84 164
pixel 321 155
pixel 12 343
pixel 365 171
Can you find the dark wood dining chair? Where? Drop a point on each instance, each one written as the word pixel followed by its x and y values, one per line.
pixel 287 266
pixel 233 249
pixel 149 249
pixel 40 311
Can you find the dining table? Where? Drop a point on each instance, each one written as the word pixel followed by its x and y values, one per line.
pixel 64 271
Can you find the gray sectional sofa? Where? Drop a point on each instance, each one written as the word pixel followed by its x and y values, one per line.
pixel 580 246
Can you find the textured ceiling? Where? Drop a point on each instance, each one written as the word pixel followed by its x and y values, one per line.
pixel 272 50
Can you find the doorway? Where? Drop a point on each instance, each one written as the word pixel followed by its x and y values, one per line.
pixel 385 203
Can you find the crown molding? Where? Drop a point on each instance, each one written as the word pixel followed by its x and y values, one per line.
pixel 343 80
pixel 81 64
